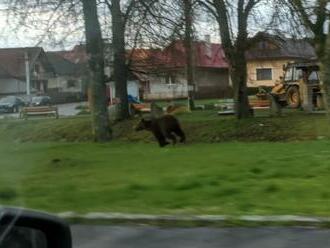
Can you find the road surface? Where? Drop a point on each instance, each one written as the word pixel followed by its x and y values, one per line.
pixel 147 237
pixel 67 109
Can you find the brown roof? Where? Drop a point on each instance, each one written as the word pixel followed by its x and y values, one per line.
pixel 63 66
pixel 281 48
pixel 12 61
pixel 77 55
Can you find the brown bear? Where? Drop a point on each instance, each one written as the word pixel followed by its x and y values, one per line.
pixel 163 128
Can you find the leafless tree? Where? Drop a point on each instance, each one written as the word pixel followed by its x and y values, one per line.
pixel 119 20
pixel 172 20
pixel 188 9
pixel 313 15
pixel 75 11
pixel 95 50
pixel 230 15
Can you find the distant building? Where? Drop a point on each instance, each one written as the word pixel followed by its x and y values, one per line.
pixel 68 76
pixel 13 70
pixel 163 72
pixel 79 57
pixel 270 53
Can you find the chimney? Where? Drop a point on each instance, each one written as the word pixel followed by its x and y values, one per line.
pixel 208 38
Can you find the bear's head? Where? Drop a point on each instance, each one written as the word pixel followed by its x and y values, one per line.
pixel 143 125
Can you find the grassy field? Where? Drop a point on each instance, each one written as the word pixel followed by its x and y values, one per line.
pixel 200 126
pixel 229 178
pixel 227 167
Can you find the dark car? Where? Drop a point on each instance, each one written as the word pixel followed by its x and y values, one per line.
pixel 11 104
pixel 41 101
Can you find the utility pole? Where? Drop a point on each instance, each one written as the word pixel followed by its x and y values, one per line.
pixel 27 74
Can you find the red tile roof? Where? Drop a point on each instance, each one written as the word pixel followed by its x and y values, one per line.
pixel 207 55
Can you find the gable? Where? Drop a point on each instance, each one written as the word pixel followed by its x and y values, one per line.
pixel 12 62
pixel 63 66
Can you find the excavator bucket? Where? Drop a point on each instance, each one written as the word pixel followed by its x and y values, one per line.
pixel 278 89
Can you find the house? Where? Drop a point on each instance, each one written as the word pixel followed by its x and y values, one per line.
pixel 13 72
pixel 265 59
pixel 162 73
pixel 78 56
pixel 68 77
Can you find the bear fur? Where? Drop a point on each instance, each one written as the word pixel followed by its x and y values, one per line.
pixel 164 128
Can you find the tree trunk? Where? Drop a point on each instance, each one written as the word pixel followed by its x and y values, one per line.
pixel 326 76
pixel 239 68
pixel 235 51
pixel 239 78
pixel 94 46
pixel 188 9
pixel 120 67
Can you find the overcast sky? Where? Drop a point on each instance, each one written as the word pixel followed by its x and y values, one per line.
pixel 10 37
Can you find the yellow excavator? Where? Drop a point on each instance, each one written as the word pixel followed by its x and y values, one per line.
pixel 297 77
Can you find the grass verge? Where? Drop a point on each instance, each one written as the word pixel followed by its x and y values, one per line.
pixel 200 126
pixel 227 178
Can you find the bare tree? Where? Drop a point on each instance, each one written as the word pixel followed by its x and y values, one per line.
pixel 326 74
pixel 172 20
pixel 75 11
pixel 235 43
pixel 188 19
pixel 118 44
pixel 95 50
pixel 313 16
pixel 124 16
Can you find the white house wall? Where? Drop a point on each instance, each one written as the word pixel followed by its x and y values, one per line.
pixel 159 89
pixel 132 89
pixel 12 86
pixel 166 91
pixel 61 83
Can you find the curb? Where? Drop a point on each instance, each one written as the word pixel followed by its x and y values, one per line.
pixel 193 221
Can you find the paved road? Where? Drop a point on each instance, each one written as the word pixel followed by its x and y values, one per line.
pixel 68 109
pixel 150 237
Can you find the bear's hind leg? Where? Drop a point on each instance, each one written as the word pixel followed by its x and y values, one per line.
pixel 163 143
pixel 171 136
pixel 160 138
pixel 178 131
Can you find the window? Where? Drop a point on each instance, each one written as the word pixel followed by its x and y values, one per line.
pixel 36 68
pixel 170 79
pixel 288 74
pixel 71 83
pixel 264 74
pixel 313 76
pixel 265 45
pixel 298 74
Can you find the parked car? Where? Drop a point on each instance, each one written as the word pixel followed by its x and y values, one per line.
pixel 11 104
pixel 41 101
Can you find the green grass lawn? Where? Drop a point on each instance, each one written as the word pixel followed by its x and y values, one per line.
pixel 231 178
pixel 200 126
pixel 260 165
